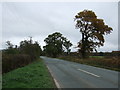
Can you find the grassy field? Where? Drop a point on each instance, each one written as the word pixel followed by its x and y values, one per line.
pixel 111 63
pixel 34 75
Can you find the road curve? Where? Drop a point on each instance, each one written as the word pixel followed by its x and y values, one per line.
pixel 74 75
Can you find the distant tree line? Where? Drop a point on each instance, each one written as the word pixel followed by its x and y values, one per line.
pixel 113 53
pixel 104 54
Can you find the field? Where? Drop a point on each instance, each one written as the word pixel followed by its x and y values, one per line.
pixel 111 63
pixel 34 75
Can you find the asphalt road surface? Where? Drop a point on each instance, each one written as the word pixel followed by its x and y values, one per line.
pixel 74 75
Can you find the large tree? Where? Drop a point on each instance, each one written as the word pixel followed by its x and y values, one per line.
pixel 56 44
pixel 92 30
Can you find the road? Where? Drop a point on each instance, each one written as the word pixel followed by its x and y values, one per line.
pixel 74 75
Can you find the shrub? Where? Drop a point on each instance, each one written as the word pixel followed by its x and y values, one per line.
pixel 32 49
pixel 14 57
pixel 11 62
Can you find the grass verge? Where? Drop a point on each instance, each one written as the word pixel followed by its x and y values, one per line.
pixel 107 63
pixel 34 75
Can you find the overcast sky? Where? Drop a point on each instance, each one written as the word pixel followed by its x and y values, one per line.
pixel 23 19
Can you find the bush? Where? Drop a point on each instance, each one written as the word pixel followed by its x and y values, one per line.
pixel 15 57
pixel 32 49
pixel 11 62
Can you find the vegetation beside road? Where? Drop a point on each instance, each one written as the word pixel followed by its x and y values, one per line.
pixel 34 75
pixel 14 57
pixel 111 63
pixel 23 68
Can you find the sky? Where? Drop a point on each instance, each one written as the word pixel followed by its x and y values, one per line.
pixel 39 19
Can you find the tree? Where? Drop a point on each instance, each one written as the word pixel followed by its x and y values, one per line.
pixel 10 48
pixel 9 44
pixel 67 44
pixel 30 48
pixel 92 30
pixel 55 44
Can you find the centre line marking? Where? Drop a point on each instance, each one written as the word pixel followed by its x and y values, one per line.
pixel 88 73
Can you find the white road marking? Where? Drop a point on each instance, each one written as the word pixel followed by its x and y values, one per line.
pixel 56 83
pixel 89 73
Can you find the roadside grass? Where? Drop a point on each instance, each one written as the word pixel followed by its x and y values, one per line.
pixel 96 56
pixel 112 63
pixel 34 75
pixel 0 81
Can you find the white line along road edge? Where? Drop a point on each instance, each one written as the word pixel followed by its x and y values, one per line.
pixel 89 73
pixel 56 83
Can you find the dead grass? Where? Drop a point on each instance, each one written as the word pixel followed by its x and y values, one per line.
pixel 111 63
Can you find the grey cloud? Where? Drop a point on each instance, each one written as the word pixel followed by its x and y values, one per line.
pixel 40 19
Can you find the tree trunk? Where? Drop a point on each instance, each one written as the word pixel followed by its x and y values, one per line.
pixel 83 46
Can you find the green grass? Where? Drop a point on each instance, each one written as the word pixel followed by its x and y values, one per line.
pixel 34 75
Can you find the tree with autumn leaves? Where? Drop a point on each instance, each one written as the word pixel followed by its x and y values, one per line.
pixel 92 30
